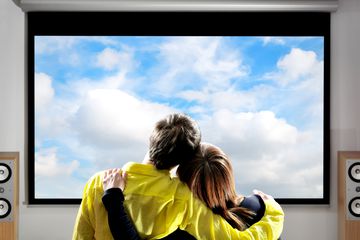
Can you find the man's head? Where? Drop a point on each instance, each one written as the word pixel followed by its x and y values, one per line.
pixel 173 140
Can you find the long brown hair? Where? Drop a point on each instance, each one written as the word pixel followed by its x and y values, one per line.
pixel 210 177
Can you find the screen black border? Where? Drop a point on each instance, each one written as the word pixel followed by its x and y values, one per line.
pixel 175 24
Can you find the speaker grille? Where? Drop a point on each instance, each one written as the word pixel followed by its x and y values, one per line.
pixel 5 208
pixel 354 207
pixel 9 200
pixel 353 189
pixel 5 172
pixel 354 172
pixel 6 190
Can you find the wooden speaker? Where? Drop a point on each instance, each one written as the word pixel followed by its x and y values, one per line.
pixel 349 195
pixel 9 195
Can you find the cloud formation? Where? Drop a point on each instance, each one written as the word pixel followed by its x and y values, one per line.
pixel 47 164
pixel 203 59
pixel 111 117
pixel 295 66
pixel 44 92
pixel 111 59
pixel 269 122
pixel 273 40
pixel 249 135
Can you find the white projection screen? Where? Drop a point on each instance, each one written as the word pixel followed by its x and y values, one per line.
pixel 259 89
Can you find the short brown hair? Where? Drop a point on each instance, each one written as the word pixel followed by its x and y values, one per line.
pixel 174 139
pixel 209 176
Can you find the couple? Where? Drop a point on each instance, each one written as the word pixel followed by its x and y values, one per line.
pixel 159 206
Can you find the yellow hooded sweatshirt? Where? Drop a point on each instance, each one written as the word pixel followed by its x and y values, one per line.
pixel 159 204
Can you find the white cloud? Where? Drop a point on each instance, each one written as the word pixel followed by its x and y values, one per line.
pixel 109 117
pixel 73 59
pixel 288 41
pixel 44 92
pixel 300 77
pixel 234 100
pixel 273 40
pixel 108 127
pixel 297 63
pixel 47 164
pixel 111 59
pixel 51 44
pixel 121 62
pixel 93 119
pixel 191 95
pixel 47 104
pixel 295 66
pixel 207 61
pixel 197 109
pixel 267 153
pixel 61 187
pixel 112 127
pixel 243 132
pixel 230 99
pixel 65 48
pixel 279 179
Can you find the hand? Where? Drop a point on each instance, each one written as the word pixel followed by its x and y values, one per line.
pixel 263 195
pixel 114 178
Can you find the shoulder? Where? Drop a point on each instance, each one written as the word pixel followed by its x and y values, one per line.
pixel 273 208
pixel 94 183
pixel 97 177
pixel 144 169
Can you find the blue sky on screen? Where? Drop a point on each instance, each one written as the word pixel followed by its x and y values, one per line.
pixel 258 98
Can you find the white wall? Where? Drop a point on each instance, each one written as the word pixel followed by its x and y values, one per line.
pixel 320 222
pixel 36 223
pixel 302 222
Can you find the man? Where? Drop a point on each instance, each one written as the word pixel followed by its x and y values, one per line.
pixel 159 204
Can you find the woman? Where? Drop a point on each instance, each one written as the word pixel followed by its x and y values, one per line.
pixel 209 176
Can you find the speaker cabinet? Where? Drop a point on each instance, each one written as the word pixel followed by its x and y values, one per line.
pixel 349 195
pixel 9 197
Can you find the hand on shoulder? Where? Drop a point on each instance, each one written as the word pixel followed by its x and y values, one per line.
pixel 264 196
pixel 114 178
pixel 270 201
